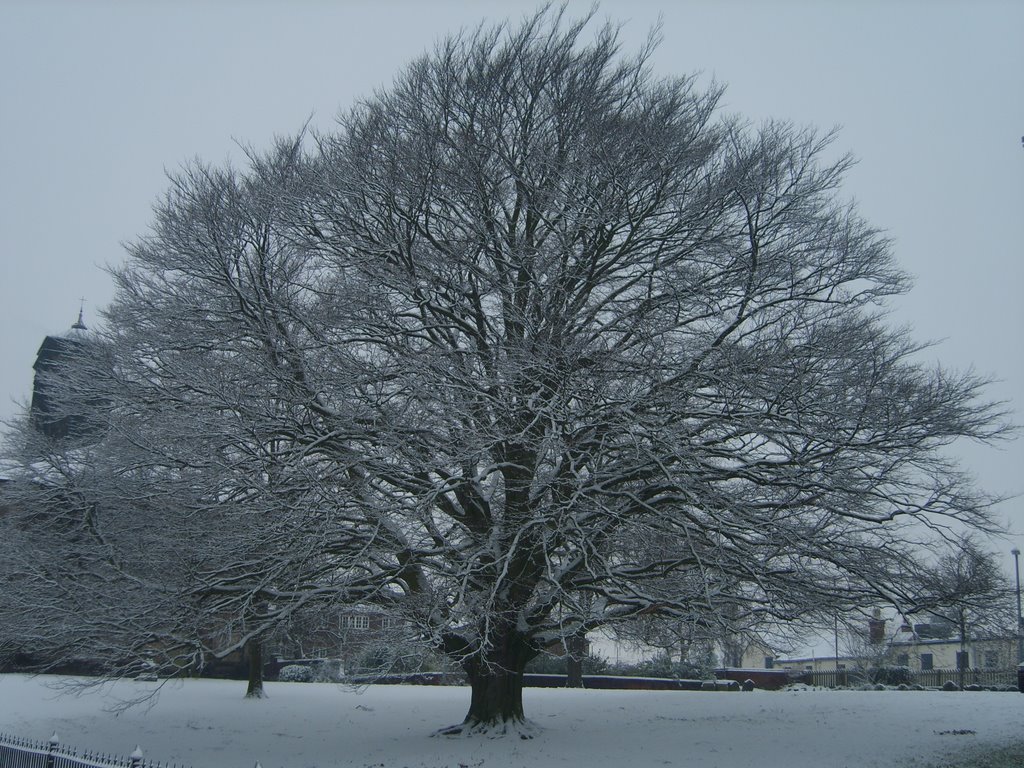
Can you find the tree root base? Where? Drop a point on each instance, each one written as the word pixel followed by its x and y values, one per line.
pixel 497 729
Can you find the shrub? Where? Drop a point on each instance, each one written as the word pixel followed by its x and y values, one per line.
pixel 892 676
pixel 295 673
pixel 663 666
pixel 384 659
pixel 549 664
pixel 325 671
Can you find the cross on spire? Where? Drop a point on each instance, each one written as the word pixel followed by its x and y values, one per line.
pixel 79 324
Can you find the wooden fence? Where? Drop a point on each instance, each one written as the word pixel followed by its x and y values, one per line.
pixel 931 678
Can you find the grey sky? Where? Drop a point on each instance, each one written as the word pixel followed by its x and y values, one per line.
pixel 98 98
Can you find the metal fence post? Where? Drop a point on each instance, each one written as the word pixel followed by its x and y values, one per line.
pixel 136 757
pixel 50 747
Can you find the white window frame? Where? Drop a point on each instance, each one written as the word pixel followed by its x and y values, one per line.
pixel 355 621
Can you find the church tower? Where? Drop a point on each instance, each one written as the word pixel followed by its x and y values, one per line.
pixel 53 353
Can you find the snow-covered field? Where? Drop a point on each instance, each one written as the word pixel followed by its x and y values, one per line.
pixel 207 724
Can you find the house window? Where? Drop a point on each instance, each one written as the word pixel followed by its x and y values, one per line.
pixel 927 661
pixel 355 622
pixel 769 662
pixel 991 659
pixel 962 660
pixel 903 660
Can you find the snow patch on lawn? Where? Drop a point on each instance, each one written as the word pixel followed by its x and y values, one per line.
pixel 209 724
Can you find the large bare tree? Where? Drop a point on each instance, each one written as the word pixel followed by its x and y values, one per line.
pixel 541 343
pixel 617 339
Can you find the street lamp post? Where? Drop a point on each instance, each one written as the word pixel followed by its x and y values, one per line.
pixel 1020 619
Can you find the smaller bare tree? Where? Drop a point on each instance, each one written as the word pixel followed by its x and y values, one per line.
pixel 967 588
pixel 868 646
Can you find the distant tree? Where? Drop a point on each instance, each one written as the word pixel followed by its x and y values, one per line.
pixel 535 325
pixel 190 487
pixel 701 640
pixel 90 585
pixel 866 643
pixel 967 588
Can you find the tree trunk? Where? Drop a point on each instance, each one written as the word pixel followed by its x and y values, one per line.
pixel 576 650
pixel 497 697
pixel 254 652
pixel 961 658
pixel 496 681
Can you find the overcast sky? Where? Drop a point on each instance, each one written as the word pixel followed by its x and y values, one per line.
pixel 97 99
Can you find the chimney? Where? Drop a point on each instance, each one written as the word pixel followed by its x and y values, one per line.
pixel 876 628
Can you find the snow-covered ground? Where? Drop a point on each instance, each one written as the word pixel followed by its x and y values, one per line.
pixel 207 724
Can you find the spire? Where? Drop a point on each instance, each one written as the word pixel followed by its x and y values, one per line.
pixel 79 324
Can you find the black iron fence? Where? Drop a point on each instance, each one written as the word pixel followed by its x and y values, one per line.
pixel 24 753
